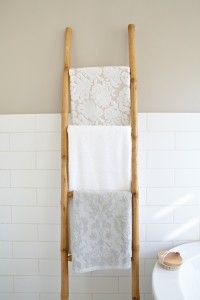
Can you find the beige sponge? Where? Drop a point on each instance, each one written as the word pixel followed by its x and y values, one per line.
pixel 170 260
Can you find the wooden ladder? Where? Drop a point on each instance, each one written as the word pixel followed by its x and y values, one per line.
pixel 66 194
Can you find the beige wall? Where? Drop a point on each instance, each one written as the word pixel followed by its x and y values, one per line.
pixel 31 49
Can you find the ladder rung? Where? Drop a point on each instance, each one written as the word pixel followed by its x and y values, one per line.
pixel 70 194
pixel 69 258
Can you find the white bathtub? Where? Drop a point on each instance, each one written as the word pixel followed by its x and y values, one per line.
pixel 183 284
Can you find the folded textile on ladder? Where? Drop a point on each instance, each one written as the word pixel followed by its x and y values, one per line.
pixel 100 230
pixel 100 95
pixel 99 157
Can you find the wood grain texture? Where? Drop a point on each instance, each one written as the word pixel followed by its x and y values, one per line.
pixel 64 171
pixel 134 166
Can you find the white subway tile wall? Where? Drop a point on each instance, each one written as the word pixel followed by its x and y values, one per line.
pixel 169 178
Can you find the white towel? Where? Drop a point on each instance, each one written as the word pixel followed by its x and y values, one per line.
pixel 100 96
pixel 100 230
pixel 99 157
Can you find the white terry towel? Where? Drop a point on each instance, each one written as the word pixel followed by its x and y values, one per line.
pixel 99 157
pixel 100 230
pixel 100 95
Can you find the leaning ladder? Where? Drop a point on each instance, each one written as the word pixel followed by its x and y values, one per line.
pixel 66 194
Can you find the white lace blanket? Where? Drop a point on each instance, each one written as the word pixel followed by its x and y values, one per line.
pixel 100 229
pixel 100 96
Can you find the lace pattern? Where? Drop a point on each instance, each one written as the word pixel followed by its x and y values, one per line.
pixel 100 96
pixel 100 227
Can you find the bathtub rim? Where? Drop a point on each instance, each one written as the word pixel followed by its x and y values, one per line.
pixel 163 280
